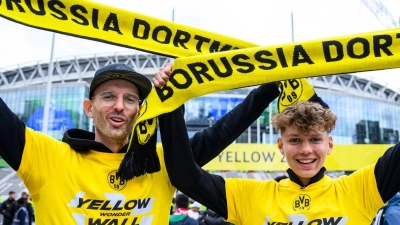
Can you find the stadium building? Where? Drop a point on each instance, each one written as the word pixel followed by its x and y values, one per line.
pixel 367 111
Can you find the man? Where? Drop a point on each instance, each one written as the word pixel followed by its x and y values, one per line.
pixel 28 206
pixel 181 214
pixel 5 206
pixel 307 197
pixel 75 181
pixel 21 216
pixel 194 212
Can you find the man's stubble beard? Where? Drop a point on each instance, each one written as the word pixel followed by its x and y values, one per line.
pixel 101 124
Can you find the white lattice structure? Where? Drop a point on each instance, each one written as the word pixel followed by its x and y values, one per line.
pixel 78 69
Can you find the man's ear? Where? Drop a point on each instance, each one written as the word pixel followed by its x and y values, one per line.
pixel 280 145
pixel 88 104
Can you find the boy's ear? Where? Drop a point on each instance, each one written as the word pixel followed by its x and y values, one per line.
pixel 280 145
pixel 330 144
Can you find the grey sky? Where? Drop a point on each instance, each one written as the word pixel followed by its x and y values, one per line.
pixel 264 22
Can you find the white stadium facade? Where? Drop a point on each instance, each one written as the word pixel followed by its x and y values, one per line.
pixel 367 111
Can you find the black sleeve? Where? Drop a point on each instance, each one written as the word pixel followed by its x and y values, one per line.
pixel 183 171
pixel 208 143
pixel 12 136
pixel 215 220
pixel 387 173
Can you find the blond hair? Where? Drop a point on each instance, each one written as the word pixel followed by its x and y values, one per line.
pixel 306 116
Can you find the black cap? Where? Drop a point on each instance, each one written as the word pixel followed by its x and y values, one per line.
pixel 124 72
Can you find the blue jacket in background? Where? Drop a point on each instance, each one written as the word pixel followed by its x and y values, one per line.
pixel 392 212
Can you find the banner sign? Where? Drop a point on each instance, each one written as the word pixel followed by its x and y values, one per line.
pixel 266 157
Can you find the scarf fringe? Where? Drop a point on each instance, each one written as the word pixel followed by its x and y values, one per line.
pixel 137 163
pixel 315 98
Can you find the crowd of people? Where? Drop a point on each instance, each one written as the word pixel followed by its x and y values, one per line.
pixel 17 211
pixel 188 212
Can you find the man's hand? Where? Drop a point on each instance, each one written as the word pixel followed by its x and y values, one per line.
pixel 161 77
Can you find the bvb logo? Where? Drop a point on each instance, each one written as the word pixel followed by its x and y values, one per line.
pixel 145 129
pixel 292 90
pixel 114 181
pixel 302 202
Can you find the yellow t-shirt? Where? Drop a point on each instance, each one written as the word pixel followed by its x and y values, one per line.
pixel 68 187
pixel 348 200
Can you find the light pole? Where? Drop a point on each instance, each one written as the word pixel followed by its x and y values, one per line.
pixel 46 111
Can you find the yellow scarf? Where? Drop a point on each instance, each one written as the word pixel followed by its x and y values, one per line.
pixel 202 68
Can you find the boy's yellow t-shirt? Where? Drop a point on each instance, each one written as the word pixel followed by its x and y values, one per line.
pixel 348 200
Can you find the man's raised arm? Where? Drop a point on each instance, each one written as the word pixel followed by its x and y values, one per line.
pixel 12 136
pixel 182 169
pixel 210 142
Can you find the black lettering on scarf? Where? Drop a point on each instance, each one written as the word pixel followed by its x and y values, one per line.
pixel 300 56
pixel 215 47
pixel 137 32
pixel 57 13
pixel 188 79
pixel 365 45
pixel 200 42
pixel 112 23
pixel 166 92
pixel 228 68
pixel 181 41
pixel 282 58
pixel 259 57
pixel 336 45
pixel 199 69
pixel 236 59
pixel 75 11
pixel 39 12
pixel 142 127
pixel 16 3
pixel 95 18
pixel 378 46
pixel 162 29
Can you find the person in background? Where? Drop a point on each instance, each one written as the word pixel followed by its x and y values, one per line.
pixel 390 213
pixel 194 212
pixel 28 206
pixel 5 206
pixel 180 216
pixel 21 216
